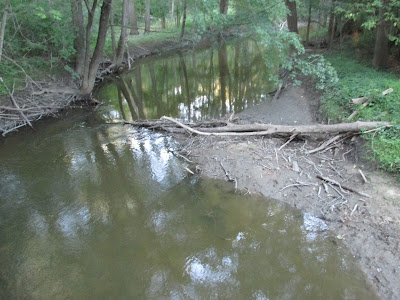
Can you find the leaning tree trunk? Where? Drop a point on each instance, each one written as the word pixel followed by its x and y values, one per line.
pixel 223 6
pixel 381 52
pixel 122 38
pixel 147 18
pixel 292 16
pixel 3 26
pixel 133 18
pixel 89 78
pixel 184 20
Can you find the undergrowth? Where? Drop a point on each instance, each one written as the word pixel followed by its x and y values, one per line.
pixel 356 80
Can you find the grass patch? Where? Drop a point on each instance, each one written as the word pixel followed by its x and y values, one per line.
pixel 357 79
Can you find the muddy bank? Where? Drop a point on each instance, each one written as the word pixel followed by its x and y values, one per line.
pixel 368 222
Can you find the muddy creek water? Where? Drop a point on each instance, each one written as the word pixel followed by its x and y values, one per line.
pixel 90 210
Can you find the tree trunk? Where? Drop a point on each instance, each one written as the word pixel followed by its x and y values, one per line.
pixel 163 22
pixel 147 18
pixel 172 13
pixel 79 30
pixel 122 38
pixel 3 27
pixel 90 77
pixel 381 52
pixel 292 16
pixel 223 6
pixel 184 20
pixel 133 18
pixel 331 26
pixel 308 23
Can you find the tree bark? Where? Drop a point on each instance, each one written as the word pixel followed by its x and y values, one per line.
pixel 381 52
pixel 147 18
pixel 122 38
pixel 3 27
pixel 90 76
pixel 133 18
pixel 223 6
pixel 184 20
pixel 292 16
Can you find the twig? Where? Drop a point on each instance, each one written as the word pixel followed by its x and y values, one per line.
pixel 288 141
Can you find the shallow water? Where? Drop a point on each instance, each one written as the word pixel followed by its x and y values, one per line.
pixel 90 210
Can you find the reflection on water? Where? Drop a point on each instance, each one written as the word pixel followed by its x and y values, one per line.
pixel 91 211
pixel 194 85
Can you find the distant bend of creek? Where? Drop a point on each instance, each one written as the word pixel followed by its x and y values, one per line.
pixel 93 210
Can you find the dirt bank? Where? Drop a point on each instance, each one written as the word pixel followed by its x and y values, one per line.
pixel 369 226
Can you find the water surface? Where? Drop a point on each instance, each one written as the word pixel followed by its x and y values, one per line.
pixel 193 85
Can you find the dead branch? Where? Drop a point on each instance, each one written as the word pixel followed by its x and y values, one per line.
pixel 334 182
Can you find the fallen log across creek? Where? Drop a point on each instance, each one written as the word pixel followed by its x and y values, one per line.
pixel 215 128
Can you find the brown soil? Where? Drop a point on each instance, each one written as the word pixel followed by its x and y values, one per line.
pixel 370 227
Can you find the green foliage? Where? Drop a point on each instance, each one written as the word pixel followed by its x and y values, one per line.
pixel 359 80
pixel 316 67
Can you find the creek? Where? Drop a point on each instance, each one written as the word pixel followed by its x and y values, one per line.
pixel 95 210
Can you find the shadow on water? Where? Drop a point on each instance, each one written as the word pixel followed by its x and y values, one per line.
pixel 96 211
pixel 193 85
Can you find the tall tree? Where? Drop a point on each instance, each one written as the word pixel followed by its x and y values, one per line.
pixel 133 18
pixel 147 18
pixel 92 62
pixel 381 52
pixel 122 38
pixel 3 27
pixel 292 15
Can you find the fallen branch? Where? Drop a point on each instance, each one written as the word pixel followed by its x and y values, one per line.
pixel 334 182
pixel 325 144
pixel 365 102
pixel 269 129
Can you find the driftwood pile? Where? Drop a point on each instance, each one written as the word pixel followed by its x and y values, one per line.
pixel 35 101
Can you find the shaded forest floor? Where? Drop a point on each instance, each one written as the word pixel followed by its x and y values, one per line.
pixel 369 226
